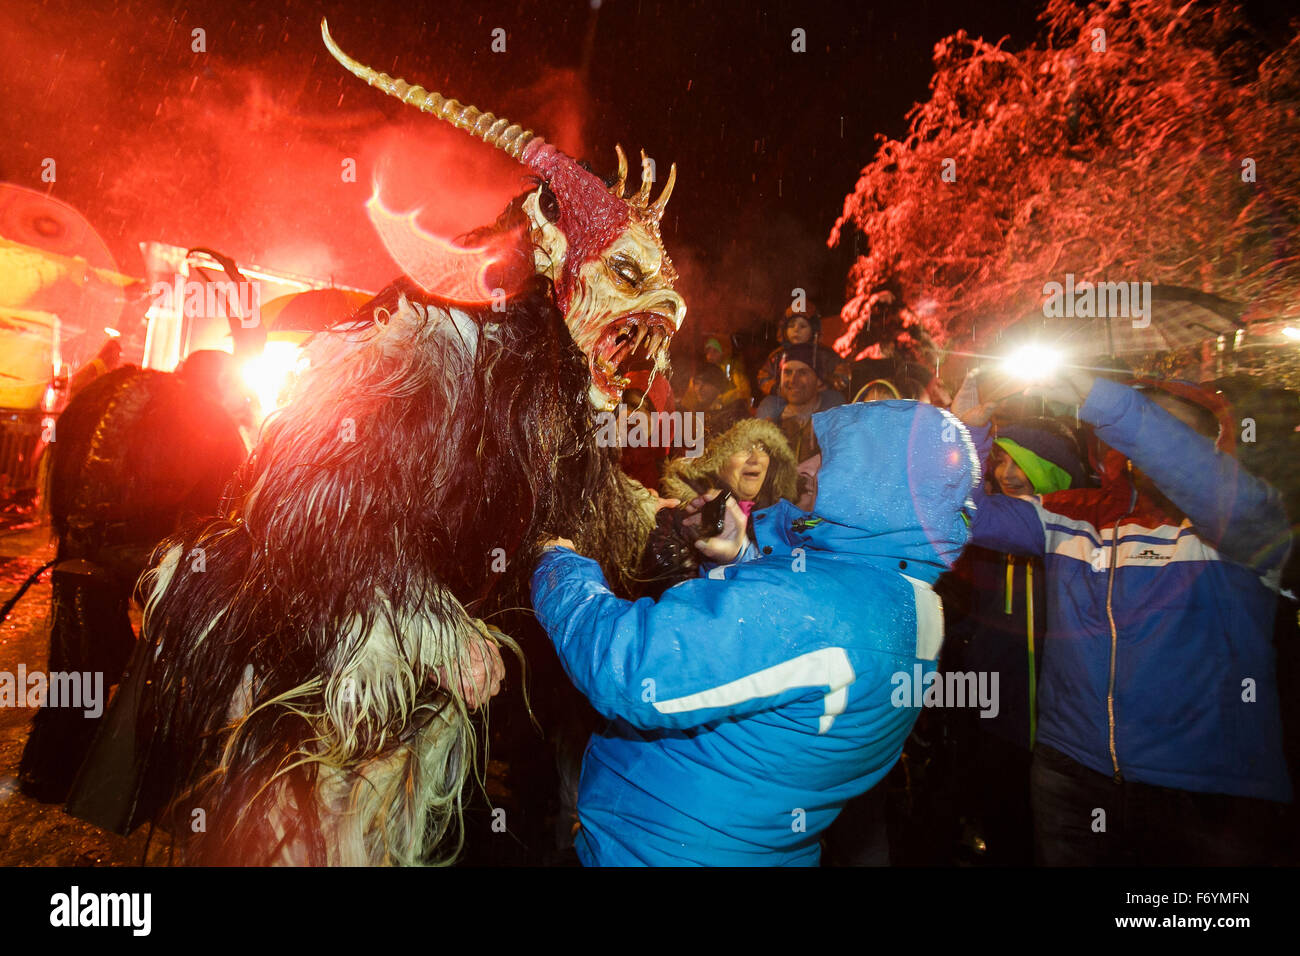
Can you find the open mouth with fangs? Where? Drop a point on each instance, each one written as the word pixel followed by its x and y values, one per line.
pixel 628 344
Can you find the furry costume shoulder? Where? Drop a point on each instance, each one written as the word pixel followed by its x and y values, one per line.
pixel 291 690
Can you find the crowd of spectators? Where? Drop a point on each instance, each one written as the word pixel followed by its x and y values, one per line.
pixel 1127 580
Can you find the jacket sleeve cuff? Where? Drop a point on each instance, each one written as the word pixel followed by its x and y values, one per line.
pixel 750 553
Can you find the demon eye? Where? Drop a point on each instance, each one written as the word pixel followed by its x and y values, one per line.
pixel 549 205
pixel 625 269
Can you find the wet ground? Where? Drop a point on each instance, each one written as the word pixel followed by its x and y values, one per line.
pixel 32 833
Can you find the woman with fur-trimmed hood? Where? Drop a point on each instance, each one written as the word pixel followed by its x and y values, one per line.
pixel 751 459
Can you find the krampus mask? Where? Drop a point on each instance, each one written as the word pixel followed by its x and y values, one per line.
pixel 602 249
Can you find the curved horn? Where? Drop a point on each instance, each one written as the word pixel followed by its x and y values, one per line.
pixel 493 130
pixel 618 187
pixel 657 207
pixel 643 194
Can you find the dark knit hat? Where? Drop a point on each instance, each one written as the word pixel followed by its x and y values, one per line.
pixel 818 357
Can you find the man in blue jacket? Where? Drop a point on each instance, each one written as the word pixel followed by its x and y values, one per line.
pixel 747 706
pixel 1159 737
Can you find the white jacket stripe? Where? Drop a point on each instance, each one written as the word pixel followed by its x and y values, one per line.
pixel 828 667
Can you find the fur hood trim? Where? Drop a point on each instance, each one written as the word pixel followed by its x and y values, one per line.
pixel 686 478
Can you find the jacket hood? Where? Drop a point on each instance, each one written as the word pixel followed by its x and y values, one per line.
pixel 687 477
pixel 895 484
pixel 1044 475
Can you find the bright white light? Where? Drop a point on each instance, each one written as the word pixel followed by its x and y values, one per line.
pixel 112 333
pixel 1032 363
pixel 268 374
pixel 1291 332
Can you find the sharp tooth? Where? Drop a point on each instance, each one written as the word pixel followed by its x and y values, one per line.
pixel 641 332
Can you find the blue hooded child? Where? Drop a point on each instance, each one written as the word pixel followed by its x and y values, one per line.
pixel 747 706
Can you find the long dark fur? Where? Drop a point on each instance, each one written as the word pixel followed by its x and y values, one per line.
pixel 293 640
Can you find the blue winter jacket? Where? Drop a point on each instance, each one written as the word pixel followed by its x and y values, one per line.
pixel 748 706
pixel 1182 611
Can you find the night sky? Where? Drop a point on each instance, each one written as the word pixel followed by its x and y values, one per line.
pixel 239 147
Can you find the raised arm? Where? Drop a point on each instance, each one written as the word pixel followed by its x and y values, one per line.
pixel 703 652
pixel 1237 512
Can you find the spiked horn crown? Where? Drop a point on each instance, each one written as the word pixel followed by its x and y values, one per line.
pixel 591 215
